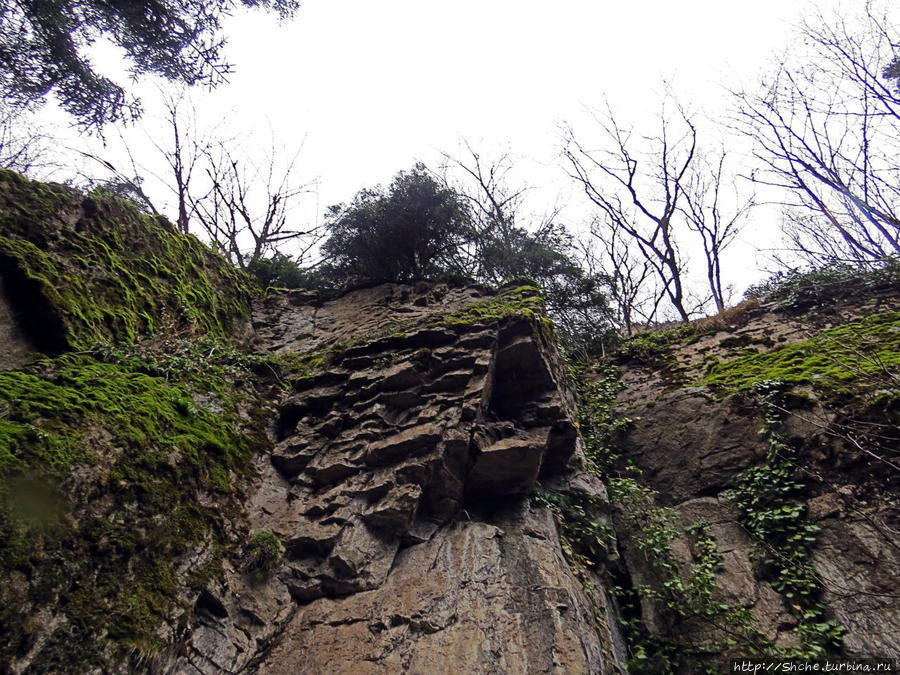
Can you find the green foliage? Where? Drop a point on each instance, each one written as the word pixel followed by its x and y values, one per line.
pixel 525 301
pixel 576 300
pixel 585 536
pixel 684 592
pixel 504 253
pixel 129 190
pixel 837 359
pixel 596 387
pixel 263 551
pixel 769 499
pixel 114 276
pixel 408 233
pixel 42 49
pixel 203 364
pixel 281 271
pixel 804 288
pixel 648 345
pixel 578 304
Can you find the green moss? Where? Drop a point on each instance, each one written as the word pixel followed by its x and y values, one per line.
pixel 291 366
pixel 113 275
pixel 263 551
pixel 832 362
pixel 523 301
pixel 802 288
pixel 101 463
pixel 653 343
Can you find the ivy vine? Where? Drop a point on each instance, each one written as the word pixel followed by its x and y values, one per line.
pixel 770 504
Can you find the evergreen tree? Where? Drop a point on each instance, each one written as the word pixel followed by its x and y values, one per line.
pixel 42 48
pixel 409 232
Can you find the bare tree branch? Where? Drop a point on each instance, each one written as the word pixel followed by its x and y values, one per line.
pixel 827 128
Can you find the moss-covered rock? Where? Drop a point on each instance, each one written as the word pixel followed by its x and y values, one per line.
pixel 102 461
pixel 835 361
pixel 118 456
pixel 92 269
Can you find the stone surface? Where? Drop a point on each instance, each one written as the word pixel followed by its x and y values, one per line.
pixel 398 484
pixel 689 445
pixel 299 321
pixel 478 597
pixel 858 559
pixel 14 344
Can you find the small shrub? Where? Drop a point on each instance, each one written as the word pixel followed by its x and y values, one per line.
pixel 281 271
pixel 804 287
pixel 263 551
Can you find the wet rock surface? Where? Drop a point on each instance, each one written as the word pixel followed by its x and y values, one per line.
pixel 481 596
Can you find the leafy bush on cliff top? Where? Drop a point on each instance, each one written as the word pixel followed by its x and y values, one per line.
pixel 409 232
pixel 804 287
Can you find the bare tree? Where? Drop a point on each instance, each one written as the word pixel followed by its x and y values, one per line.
pixel 248 206
pixel 244 202
pixel 826 128
pixel 184 152
pixel 641 194
pixel 628 274
pixel 500 227
pixel 24 147
pixel 717 220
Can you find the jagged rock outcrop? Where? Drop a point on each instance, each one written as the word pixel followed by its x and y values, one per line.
pixel 400 482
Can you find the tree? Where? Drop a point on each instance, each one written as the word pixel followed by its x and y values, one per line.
pixel 23 145
pixel 244 200
pixel 189 146
pixel 651 192
pixel 414 230
pixel 641 196
pixel 826 128
pixel 892 72
pixel 506 242
pixel 716 223
pixel 247 208
pixel 627 273
pixel 43 45
pixel 496 241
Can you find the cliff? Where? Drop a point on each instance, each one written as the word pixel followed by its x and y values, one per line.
pixel 769 438
pixel 200 476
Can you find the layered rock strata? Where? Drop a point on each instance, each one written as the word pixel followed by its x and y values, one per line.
pixel 399 484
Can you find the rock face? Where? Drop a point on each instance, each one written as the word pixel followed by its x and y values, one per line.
pixel 691 442
pixel 400 483
pixel 481 596
pixel 395 480
pixel 14 344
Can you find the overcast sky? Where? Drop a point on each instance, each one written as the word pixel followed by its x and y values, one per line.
pixel 372 86
pixel 367 88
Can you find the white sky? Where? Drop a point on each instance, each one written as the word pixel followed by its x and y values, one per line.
pixel 374 85
pixel 369 87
